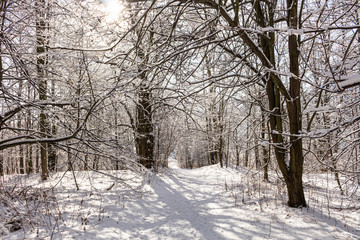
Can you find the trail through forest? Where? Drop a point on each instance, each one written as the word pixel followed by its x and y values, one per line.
pixel 206 203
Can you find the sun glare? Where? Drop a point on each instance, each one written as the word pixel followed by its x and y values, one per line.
pixel 114 9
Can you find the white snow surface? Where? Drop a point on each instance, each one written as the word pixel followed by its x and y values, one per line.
pixel 206 203
pixel 349 81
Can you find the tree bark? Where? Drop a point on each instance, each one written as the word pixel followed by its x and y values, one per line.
pixel 294 178
pixel 41 72
pixel 52 151
pixel 265 152
pixel 19 125
pixel 145 141
pixel 51 146
pixel 2 18
pixel 291 172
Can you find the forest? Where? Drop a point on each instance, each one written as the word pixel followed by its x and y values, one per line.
pixel 127 99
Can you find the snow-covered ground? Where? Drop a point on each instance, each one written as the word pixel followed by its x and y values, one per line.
pixel 205 203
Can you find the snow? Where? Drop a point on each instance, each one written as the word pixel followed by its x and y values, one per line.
pixel 318 109
pixel 205 203
pixel 349 81
pixel 295 31
pixel 320 132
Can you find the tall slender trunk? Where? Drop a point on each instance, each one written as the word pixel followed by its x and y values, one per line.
pixel 51 147
pixel 19 125
pixel 69 156
pixel 29 161
pixel 256 152
pixel 158 160
pixel 37 160
pixel 1 164
pixel 221 149
pixel 116 136
pixel 237 155
pixel 265 152
pixel 213 125
pixel 52 151
pixel 86 161
pixel 246 162
pixel 29 156
pixel 41 72
pixel 2 19
pixel 228 146
pixel 220 131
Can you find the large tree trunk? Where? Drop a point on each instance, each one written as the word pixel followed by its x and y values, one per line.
pixel 295 190
pixel 291 172
pixel 144 129
pixel 294 173
pixel 145 141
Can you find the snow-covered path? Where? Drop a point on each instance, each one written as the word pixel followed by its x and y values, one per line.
pixel 194 204
pixel 207 203
pixel 191 205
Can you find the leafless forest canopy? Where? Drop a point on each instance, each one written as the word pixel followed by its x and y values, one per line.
pixel 271 85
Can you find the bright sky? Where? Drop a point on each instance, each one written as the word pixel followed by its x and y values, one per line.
pixel 114 9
